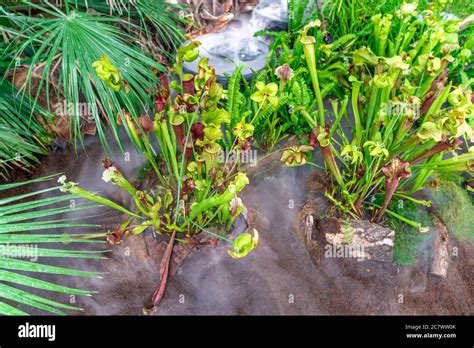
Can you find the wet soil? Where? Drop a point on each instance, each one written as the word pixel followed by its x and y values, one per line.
pixel 280 277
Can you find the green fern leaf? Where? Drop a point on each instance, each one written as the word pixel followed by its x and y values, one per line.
pixel 234 96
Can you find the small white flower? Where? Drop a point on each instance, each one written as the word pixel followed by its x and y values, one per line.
pixel 66 186
pixel 62 179
pixel 108 174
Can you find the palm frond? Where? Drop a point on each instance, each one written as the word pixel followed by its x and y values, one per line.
pixel 162 16
pixel 34 216
pixel 22 137
pixel 70 41
pixel 164 19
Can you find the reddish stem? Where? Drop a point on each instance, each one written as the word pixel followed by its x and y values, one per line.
pixel 393 172
pixel 164 272
pixel 438 148
pixel 436 89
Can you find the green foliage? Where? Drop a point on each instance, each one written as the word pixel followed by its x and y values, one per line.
pixel 399 109
pixel 22 137
pixel 270 109
pixel 345 17
pixel 69 39
pixel 344 41
pixel 455 207
pixel 298 13
pixel 20 220
pixel 286 50
pixel 300 96
pixel 162 16
pixel 460 7
pixel 198 182
pixel 404 114
pixel 76 40
pixel 234 96
pixel 407 238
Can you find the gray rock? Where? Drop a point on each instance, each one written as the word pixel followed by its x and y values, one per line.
pixel 360 239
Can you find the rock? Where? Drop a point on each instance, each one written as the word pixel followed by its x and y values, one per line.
pixel 308 228
pixel 135 246
pixel 314 209
pixel 312 245
pixel 366 240
pixel 440 257
pixel 324 233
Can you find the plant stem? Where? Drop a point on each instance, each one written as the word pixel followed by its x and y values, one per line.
pixel 310 55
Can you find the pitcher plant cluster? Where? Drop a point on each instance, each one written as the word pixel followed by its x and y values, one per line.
pixel 404 113
pixel 196 192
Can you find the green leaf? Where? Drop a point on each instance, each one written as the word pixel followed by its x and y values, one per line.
pixel 22 137
pixel 24 297
pixel 233 96
pixel 215 117
pixel 15 278
pixel 28 266
pixel 72 41
pixel 10 310
pixel 41 214
pixel 45 238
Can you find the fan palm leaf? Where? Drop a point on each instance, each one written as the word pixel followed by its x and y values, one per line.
pixel 22 137
pixel 70 40
pixel 36 215
pixel 161 15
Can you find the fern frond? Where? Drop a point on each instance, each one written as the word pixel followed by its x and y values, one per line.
pixel 270 109
pixel 234 96
pixel 326 75
pixel 302 94
pixel 327 89
pixel 343 41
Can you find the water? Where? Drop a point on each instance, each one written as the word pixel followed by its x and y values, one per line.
pixel 271 14
pixel 236 45
pixel 227 50
pixel 244 50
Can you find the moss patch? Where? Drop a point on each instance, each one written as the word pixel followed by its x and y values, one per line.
pixel 455 207
pixel 408 238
